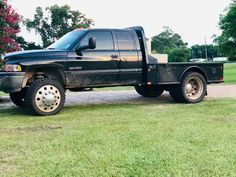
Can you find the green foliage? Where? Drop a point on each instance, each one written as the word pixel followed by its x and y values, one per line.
pixel 199 51
pixel 138 139
pixel 227 40
pixel 170 43
pixel 179 55
pixel 9 27
pixel 27 45
pixel 55 21
pixel 167 40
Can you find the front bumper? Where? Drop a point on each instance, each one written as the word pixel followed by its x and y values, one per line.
pixel 11 81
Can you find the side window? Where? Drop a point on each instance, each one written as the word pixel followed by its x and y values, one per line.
pixel 125 40
pixel 104 40
pixel 137 42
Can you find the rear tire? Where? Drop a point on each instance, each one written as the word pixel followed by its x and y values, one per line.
pixel 45 97
pixel 149 91
pixel 192 89
pixel 18 98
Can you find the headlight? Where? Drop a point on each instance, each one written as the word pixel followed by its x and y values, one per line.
pixel 13 68
pixel 1 62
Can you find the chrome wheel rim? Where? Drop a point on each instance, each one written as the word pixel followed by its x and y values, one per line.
pixel 194 88
pixel 48 98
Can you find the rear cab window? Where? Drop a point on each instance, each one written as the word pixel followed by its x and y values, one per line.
pixel 126 40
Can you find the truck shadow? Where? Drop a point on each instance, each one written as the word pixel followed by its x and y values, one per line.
pixel 4 100
pixel 9 109
pixel 165 98
pixel 12 111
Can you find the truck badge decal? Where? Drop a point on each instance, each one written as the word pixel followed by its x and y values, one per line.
pixel 75 68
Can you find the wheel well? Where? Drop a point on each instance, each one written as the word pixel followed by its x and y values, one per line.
pixel 194 69
pixel 37 73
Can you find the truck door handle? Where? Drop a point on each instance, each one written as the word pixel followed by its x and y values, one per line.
pixel 114 56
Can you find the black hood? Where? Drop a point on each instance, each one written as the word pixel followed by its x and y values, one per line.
pixel 32 54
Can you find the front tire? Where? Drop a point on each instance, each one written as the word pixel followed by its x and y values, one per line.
pixel 149 91
pixel 45 97
pixel 192 89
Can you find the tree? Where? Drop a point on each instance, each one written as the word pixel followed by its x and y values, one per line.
pixel 27 45
pixel 9 27
pixel 167 40
pixel 170 43
pixel 227 40
pixel 54 22
pixel 179 55
pixel 199 51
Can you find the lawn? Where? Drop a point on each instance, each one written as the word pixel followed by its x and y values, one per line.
pixel 3 94
pixel 230 73
pixel 121 140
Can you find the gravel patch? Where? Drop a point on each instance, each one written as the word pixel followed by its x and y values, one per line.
pixel 130 96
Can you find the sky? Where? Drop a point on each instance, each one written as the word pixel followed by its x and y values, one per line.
pixel 194 20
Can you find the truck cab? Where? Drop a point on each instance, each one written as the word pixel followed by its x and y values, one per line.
pixel 116 59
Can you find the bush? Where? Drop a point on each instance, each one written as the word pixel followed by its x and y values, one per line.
pixel 232 58
pixel 179 55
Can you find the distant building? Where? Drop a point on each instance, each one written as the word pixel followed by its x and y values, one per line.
pixel 198 60
pixel 221 59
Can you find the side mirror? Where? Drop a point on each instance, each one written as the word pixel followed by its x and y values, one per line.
pixel 91 45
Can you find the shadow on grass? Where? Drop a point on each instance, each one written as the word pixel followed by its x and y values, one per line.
pixel 4 99
pixel 165 99
pixel 13 111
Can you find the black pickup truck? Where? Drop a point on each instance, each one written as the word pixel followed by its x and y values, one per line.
pixel 89 58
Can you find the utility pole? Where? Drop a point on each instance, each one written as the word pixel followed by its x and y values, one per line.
pixel 206 48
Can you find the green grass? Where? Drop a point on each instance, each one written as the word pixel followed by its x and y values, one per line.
pixel 3 94
pixel 121 140
pixel 230 73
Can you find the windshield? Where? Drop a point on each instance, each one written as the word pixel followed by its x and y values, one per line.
pixel 67 40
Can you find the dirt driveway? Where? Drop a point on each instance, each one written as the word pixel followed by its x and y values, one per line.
pixel 130 96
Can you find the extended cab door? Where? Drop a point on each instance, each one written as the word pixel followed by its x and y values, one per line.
pixel 97 66
pixel 130 57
